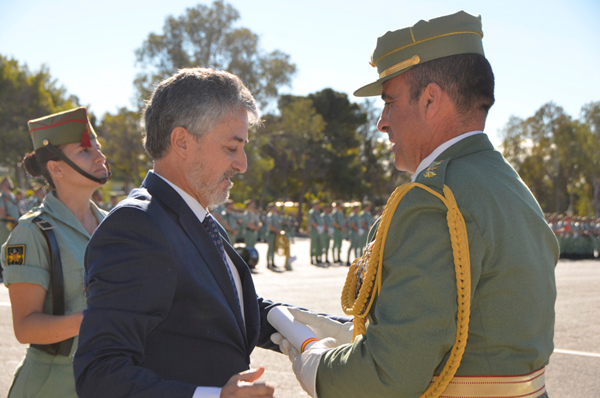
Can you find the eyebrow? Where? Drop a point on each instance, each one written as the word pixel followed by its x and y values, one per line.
pixel 240 139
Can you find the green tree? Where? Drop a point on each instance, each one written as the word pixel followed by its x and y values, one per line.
pixel 205 36
pixel 24 96
pixel 121 139
pixel 591 119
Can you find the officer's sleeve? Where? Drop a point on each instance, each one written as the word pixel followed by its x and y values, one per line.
pixel 130 283
pixel 413 325
pixel 25 256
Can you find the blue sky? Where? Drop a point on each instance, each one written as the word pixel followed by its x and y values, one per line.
pixel 540 51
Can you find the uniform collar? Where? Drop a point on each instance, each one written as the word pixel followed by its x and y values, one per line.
pixel 439 150
pixel 60 212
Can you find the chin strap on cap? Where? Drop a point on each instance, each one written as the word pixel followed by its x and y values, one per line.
pixel 68 161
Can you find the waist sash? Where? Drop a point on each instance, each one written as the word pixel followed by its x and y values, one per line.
pixel 531 385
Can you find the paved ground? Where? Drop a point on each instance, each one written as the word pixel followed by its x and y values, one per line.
pixel 574 371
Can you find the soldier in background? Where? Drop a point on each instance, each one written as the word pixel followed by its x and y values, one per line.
pixel 327 233
pixel 365 222
pixel 339 227
pixel 229 221
pixel 39 193
pixel 9 208
pixel 353 233
pixel 315 228
pixel 251 223
pixel 273 230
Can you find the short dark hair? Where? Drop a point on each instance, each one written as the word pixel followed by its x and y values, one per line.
pixel 197 99
pixel 467 78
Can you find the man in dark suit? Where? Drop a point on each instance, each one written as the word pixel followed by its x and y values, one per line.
pixel 172 310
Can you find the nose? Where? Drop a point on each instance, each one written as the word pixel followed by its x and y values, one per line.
pixel 382 123
pixel 100 158
pixel 240 163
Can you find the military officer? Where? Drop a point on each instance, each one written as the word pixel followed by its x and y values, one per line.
pixel 252 223
pixel 459 300
pixel 315 228
pixel 229 221
pixel 353 233
pixel 41 319
pixel 327 233
pixel 273 230
pixel 339 227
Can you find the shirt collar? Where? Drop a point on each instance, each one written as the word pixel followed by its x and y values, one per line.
pixel 439 150
pixel 196 207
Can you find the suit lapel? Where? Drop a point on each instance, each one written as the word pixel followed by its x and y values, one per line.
pixel 198 235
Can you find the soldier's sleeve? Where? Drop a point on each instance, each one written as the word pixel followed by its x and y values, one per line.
pixel 412 324
pixel 25 256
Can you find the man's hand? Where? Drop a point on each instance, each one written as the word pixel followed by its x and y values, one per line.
pixel 242 385
pixel 323 326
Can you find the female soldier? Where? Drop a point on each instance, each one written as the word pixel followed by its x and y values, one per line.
pixel 43 257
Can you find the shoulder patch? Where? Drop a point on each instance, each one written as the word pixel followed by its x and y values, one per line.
pixel 15 255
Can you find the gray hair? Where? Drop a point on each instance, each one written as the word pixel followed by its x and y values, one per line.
pixel 197 99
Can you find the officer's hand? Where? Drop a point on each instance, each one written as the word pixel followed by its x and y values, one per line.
pixel 285 346
pixel 323 326
pixel 242 385
pixel 305 365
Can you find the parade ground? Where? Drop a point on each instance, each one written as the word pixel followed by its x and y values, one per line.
pixel 574 370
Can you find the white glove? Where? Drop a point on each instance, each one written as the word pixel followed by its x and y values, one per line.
pixel 324 326
pixel 305 365
pixel 285 346
pixel 320 229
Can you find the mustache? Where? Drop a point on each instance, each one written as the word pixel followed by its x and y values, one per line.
pixel 228 175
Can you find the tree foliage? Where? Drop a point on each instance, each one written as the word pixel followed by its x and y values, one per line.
pixel 557 157
pixel 122 144
pixel 205 36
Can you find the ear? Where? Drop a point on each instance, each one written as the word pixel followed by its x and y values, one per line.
pixel 180 141
pixel 431 100
pixel 55 168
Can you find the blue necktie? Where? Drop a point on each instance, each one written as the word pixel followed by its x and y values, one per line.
pixel 211 227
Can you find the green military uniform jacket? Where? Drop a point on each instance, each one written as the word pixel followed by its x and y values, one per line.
pixel 353 221
pixel 413 321
pixel 231 219
pixel 250 235
pixel 339 218
pixel 365 221
pixel 10 205
pixel 26 259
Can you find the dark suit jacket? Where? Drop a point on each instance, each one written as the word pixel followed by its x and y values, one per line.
pixel 162 316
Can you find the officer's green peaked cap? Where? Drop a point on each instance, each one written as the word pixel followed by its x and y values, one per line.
pixel 62 128
pixel 398 51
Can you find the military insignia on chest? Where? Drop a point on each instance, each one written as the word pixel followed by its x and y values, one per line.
pixel 15 255
pixel 430 171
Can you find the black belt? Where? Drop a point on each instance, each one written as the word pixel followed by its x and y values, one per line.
pixel 58 289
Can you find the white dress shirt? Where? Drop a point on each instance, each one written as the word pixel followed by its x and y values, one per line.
pixel 439 150
pixel 200 212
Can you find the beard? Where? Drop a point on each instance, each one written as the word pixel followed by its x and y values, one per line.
pixel 205 185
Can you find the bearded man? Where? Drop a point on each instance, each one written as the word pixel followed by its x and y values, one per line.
pixel 172 310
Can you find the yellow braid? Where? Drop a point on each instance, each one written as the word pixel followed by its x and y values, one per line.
pixel 371 286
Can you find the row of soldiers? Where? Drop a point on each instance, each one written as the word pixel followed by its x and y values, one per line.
pixel 332 225
pixel 14 203
pixel 578 237
pixel 253 226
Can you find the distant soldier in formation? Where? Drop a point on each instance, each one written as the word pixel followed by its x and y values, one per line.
pixel 339 227
pixel 9 208
pixel 577 237
pixel 39 193
pixel 229 221
pixel 273 230
pixel 290 228
pixel 327 233
pixel 365 221
pixel 353 233
pixel 251 223
pixel 315 228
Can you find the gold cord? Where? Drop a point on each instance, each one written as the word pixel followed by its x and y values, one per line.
pixel 357 305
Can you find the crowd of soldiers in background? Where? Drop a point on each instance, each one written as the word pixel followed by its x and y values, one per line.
pixel 328 224
pixel 578 237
